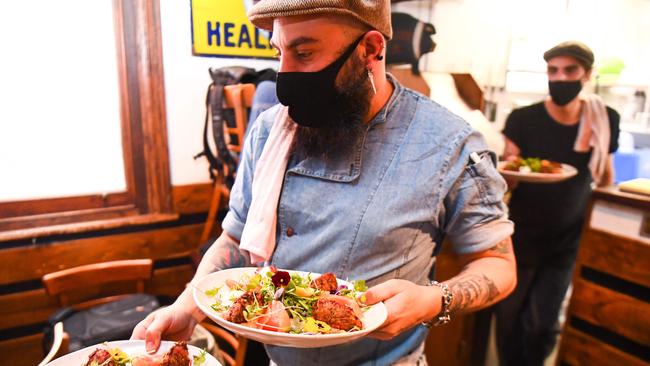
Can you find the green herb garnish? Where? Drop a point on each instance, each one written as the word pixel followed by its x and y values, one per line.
pixel 213 291
pixel 254 282
pixel 218 306
pixel 119 357
pixel 360 285
pixel 200 359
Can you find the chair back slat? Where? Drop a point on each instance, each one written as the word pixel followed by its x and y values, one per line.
pixel 63 282
pixel 238 97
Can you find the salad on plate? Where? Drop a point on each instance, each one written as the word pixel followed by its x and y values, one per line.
pixel 112 355
pixel 533 165
pixel 294 303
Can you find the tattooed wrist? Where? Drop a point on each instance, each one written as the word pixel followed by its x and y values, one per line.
pixel 472 290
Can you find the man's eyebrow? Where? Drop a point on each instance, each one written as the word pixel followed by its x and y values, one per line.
pixel 571 68
pixel 302 40
pixel 297 42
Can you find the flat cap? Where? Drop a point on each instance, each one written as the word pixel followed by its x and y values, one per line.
pixel 574 49
pixel 373 13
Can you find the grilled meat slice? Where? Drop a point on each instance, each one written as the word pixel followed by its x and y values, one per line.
pixel 236 312
pixel 326 282
pixel 99 357
pixel 178 355
pixel 338 311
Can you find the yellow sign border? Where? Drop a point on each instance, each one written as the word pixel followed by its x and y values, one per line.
pixel 225 31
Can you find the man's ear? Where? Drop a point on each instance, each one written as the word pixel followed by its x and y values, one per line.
pixel 374 46
pixel 587 76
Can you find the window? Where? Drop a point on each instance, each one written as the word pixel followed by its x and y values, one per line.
pixel 83 135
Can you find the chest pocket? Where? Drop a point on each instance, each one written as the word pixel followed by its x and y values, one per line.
pixel 489 183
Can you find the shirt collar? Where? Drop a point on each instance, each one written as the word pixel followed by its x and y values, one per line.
pixel 381 116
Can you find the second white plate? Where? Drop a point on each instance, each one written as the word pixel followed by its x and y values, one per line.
pixel 131 348
pixel 567 172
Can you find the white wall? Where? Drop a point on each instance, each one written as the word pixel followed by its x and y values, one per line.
pixel 472 36
pixel 487 38
pixel 186 82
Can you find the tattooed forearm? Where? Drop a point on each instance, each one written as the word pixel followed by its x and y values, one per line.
pixel 230 256
pixel 223 254
pixel 472 291
pixel 487 277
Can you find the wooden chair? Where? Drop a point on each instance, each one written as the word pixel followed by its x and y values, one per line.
pixel 238 97
pixel 64 283
pixel 236 343
pixel 59 343
pixel 68 282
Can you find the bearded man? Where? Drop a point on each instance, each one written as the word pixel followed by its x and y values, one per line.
pixel 357 175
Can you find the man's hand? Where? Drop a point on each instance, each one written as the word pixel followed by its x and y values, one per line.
pixel 487 277
pixel 408 305
pixel 511 151
pixel 175 322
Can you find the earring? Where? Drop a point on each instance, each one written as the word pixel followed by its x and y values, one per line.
pixel 380 57
pixel 372 80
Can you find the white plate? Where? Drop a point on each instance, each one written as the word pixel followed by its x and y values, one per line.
pixel 372 318
pixel 567 172
pixel 131 348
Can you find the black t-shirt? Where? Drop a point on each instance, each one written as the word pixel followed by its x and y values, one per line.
pixel 546 210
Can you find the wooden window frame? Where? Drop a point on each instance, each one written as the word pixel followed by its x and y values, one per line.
pixel 144 135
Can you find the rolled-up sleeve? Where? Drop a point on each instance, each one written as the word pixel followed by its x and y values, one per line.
pixel 476 218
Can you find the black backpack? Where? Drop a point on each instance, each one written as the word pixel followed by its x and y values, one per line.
pixel 107 322
pixel 223 160
pixel 411 40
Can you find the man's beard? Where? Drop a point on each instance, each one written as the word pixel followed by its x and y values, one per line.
pixel 346 128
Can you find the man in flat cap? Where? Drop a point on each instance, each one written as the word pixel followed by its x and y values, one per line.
pixel 570 128
pixel 354 174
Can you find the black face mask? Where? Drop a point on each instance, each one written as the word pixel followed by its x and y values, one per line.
pixel 562 92
pixel 312 96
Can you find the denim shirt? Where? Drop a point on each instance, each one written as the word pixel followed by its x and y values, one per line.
pixel 380 211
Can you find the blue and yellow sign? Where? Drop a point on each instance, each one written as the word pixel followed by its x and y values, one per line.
pixel 221 28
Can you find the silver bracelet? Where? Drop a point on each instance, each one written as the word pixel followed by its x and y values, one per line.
pixel 447 297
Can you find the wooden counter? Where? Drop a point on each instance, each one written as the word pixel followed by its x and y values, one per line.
pixel 608 321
